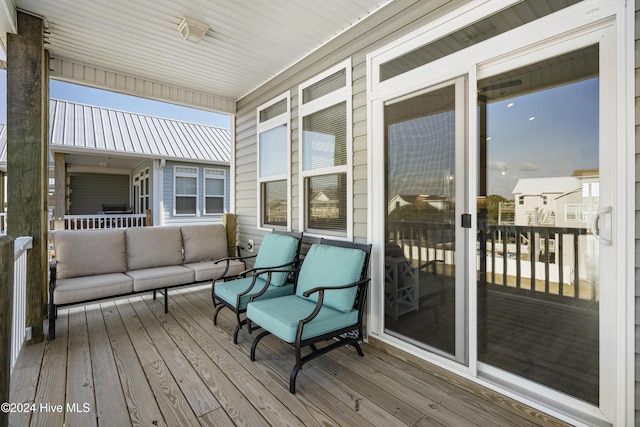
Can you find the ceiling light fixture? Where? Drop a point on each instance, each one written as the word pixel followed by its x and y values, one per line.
pixel 192 30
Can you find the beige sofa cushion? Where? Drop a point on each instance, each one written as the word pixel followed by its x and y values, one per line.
pixel 208 270
pixel 89 252
pixel 153 247
pixel 77 289
pixel 160 277
pixel 204 242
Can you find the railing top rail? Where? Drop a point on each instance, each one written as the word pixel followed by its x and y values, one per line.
pixel 21 244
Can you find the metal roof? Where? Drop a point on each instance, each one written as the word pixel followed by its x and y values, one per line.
pixel 248 42
pixel 90 129
pixel 87 129
pixel 546 185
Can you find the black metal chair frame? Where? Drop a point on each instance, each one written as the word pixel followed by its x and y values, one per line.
pixel 350 335
pixel 219 303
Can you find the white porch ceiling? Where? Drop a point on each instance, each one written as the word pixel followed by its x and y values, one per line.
pixel 248 42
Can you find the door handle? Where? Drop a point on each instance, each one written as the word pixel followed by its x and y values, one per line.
pixel 595 226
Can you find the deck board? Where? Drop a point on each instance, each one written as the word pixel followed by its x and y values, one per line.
pixel 111 406
pixel 142 405
pixel 135 365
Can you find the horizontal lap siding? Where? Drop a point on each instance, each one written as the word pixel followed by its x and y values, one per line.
pixel 637 231
pixel 398 18
pixel 91 190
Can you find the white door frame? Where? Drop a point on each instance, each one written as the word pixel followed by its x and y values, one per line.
pixel 580 25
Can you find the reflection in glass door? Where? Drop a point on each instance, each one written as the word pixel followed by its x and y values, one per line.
pixel 538 187
pixel 422 132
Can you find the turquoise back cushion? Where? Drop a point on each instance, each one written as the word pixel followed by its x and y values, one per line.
pixel 331 266
pixel 275 250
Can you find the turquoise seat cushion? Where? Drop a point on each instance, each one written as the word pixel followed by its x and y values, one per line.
pixel 228 291
pixel 280 316
pixel 326 265
pixel 275 250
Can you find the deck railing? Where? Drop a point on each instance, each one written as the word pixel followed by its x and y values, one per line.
pixel 540 262
pixel 19 323
pixel 90 222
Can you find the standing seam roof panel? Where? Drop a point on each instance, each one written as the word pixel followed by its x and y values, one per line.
pixel 105 129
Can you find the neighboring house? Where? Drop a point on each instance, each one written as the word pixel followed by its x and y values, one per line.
pixel 400 200
pixel 120 162
pixel 558 201
pixel 535 199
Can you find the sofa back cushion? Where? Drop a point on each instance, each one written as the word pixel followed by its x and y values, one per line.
pixel 204 242
pixel 149 247
pixel 89 252
pixel 275 250
pixel 331 266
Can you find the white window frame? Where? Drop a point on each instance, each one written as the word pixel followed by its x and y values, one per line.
pixel 265 126
pixel 338 96
pixel 215 174
pixel 184 174
pixel 142 181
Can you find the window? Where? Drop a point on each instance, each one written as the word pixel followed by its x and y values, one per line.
pixel 273 162
pixel 185 190
pixel 214 185
pixel 141 192
pixel 325 152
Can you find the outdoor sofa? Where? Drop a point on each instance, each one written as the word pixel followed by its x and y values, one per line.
pixel 92 265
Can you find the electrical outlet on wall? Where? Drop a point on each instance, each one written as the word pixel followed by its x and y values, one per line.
pixel 250 245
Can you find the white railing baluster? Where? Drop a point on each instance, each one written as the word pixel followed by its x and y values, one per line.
pixel 90 222
pixel 19 323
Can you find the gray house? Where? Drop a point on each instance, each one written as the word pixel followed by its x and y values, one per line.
pixel 455 98
pixel 117 162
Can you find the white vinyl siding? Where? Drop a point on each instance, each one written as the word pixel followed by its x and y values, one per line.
pixel 637 222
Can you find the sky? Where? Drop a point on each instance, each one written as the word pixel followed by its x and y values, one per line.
pixel 552 132
pixel 86 95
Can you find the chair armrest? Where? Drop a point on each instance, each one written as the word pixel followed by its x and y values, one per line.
pixel 227 260
pixel 234 258
pixel 320 290
pixel 268 272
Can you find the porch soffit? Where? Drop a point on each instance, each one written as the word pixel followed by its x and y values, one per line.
pixel 134 46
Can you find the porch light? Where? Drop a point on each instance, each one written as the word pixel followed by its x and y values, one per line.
pixel 192 30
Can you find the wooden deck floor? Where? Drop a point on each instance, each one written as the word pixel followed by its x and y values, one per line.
pixel 125 363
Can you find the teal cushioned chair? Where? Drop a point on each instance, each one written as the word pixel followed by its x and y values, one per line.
pixel 278 250
pixel 328 304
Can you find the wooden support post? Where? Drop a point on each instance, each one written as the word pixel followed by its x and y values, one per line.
pixel 229 221
pixel 27 157
pixel 60 193
pixel 6 318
